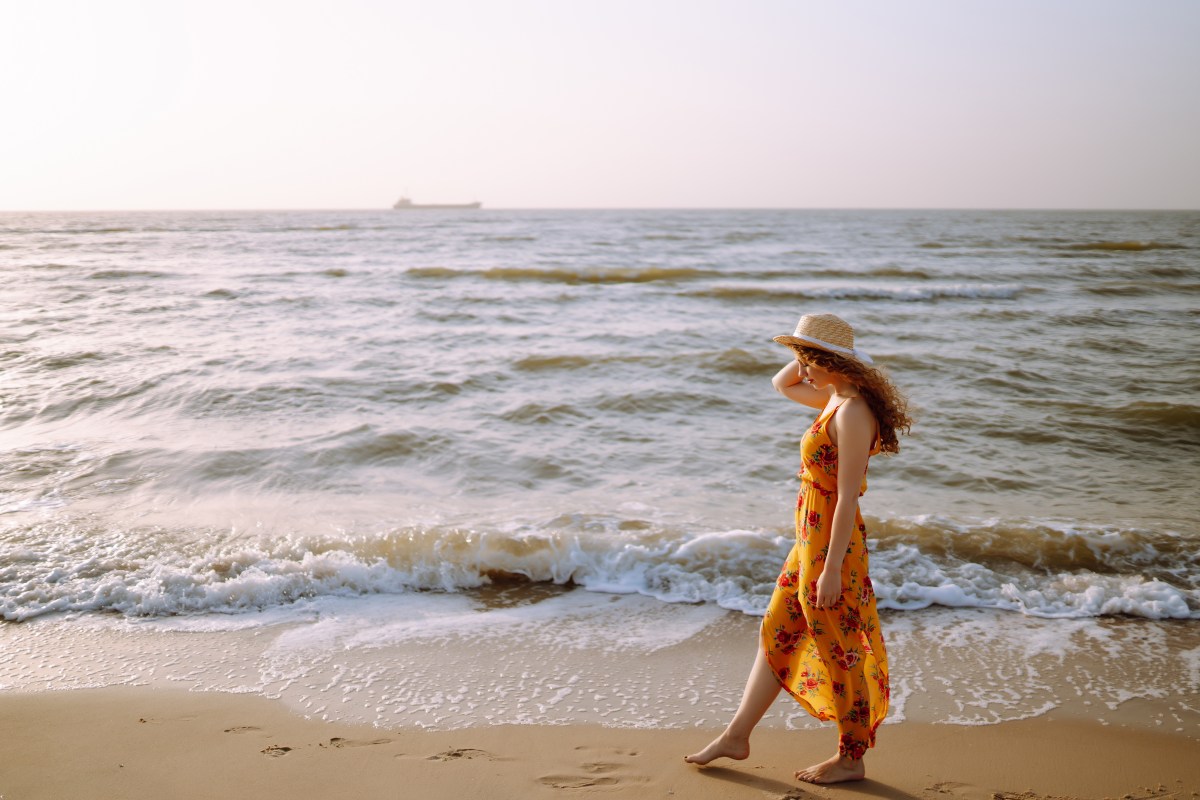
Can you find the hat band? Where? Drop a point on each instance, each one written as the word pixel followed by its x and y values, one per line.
pixel 837 348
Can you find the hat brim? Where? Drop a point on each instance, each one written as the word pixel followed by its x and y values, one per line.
pixel 857 355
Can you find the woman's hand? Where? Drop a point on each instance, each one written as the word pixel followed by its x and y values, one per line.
pixel 789 383
pixel 829 588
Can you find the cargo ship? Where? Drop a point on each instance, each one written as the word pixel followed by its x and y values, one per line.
pixel 405 204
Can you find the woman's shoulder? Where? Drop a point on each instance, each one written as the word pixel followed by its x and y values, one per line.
pixel 855 410
pixel 855 413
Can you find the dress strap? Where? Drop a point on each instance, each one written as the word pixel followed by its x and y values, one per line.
pixel 828 412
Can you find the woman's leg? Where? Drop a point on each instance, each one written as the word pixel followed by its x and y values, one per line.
pixel 761 690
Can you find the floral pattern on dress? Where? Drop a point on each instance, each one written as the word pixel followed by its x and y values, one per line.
pixel 831 660
pixel 825 457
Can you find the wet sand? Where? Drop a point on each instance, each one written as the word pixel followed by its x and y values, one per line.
pixel 140 742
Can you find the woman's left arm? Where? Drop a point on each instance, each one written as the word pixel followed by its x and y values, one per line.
pixel 855 430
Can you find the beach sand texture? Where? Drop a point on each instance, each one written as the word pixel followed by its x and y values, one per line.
pixel 143 743
pixel 1032 718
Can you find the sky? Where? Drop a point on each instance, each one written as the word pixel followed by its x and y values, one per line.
pixel 172 104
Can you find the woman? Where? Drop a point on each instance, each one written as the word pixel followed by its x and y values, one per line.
pixel 820 638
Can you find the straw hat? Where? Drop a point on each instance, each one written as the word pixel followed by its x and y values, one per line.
pixel 825 332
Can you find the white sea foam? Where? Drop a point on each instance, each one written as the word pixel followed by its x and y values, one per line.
pixel 576 621
pixel 943 563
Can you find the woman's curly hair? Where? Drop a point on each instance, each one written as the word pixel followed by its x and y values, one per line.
pixel 889 406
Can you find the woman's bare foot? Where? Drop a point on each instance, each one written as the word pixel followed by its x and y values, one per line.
pixel 834 770
pixel 724 746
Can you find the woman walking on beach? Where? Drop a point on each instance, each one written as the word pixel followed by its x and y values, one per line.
pixel 820 639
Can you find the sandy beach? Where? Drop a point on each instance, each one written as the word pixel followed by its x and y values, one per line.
pixel 151 743
pixel 988 705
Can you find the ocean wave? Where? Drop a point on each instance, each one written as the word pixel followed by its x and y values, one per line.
pixel 82 398
pixel 967 243
pixel 1183 416
pixel 570 276
pixel 78 231
pixel 1140 288
pixel 764 276
pixel 121 274
pixel 1168 271
pixel 878 272
pixel 365 444
pixel 59 361
pixel 1126 246
pixel 1006 313
pixel 562 361
pixel 235 401
pixel 316 460
pixel 738 237
pixel 319 228
pixel 1100 245
pixel 534 413
pixel 553 362
pixel 1040 570
pixel 898 293
pixel 741 362
pixel 1166 423
pixel 658 402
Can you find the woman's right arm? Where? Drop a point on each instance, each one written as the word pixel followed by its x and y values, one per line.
pixel 787 382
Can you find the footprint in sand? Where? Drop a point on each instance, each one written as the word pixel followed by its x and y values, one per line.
pixel 576 781
pixel 243 729
pixel 611 768
pixel 600 767
pixel 339 742
pixel 276 750
pixel 968 792
pixel 462 752
pixel 616 751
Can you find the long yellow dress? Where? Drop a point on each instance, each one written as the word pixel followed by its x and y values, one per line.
pixel 832 660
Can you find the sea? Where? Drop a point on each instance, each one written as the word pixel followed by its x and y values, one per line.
pixel 400 465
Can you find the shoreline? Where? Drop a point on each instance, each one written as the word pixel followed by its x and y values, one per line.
pixel 136 742
pixel 564 657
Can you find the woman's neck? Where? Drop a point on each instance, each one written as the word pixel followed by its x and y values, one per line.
pixel 843 389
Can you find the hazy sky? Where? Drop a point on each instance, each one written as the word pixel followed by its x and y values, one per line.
pixel 615 103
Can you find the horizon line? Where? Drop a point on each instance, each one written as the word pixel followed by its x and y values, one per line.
pixel 596 208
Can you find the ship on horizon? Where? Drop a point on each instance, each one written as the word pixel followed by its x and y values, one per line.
pixel 405 204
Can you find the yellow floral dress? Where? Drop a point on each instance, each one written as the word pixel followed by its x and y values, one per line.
pixel 832 660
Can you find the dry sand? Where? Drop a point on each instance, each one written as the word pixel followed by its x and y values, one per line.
pixel 137 742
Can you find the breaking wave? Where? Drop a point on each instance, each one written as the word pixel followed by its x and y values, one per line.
pixel 1041 570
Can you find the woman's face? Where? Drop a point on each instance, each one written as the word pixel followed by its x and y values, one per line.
pixel 815 374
